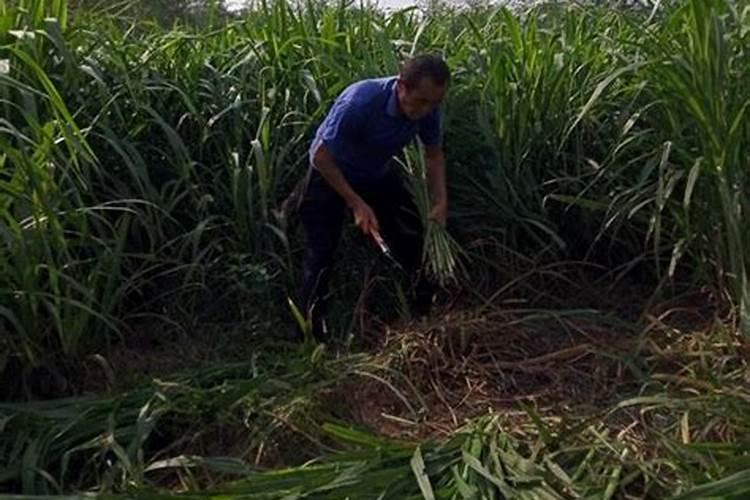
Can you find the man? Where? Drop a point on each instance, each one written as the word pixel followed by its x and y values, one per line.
pixel 351 167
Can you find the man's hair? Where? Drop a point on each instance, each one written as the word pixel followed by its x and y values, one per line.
pixel 431 66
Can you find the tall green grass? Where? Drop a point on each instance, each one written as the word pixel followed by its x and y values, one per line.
pixel 142 169
pixel 49 286
pixel 702 62
pixel 677 167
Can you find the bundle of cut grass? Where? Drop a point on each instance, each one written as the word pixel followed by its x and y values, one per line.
pixel 441 253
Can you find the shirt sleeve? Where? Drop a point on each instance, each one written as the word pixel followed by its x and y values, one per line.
pixel 343 126
pixel 430 129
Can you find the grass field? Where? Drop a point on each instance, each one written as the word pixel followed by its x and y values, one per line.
pixel 595 347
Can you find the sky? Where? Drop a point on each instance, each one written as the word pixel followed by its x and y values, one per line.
pixel 388 4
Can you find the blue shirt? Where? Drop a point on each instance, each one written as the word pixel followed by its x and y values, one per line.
pixel 365 128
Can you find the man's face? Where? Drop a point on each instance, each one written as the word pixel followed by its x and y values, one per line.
pixel 419 101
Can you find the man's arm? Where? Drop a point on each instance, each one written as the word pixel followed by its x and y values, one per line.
pixel 364 217
pixel 435 162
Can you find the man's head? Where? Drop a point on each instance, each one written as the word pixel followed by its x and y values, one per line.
pixel 422 84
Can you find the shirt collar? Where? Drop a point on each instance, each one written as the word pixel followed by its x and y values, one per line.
pixel 391 104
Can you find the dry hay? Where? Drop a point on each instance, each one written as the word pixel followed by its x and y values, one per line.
pixel 556 370
pixel 431 377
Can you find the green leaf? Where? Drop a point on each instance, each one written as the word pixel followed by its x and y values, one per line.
pixel 418 467
pixel 734 486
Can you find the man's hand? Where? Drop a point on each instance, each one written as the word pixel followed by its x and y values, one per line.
pixel 364 217
pixel 439 213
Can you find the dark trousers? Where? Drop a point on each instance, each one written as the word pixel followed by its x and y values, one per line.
pixel 322 214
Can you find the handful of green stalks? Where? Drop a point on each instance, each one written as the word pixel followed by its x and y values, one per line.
pixel 441 253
